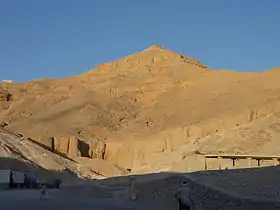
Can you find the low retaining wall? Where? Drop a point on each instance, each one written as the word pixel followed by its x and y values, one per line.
pixel 208 197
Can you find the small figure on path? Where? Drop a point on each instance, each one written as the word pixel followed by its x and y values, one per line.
pixel 184 198
pixel 43 192
pixel 132 190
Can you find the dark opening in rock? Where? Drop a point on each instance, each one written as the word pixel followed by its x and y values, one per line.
pixel 84 148
pixel 9 97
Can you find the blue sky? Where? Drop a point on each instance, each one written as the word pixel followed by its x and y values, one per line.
pixel 60 38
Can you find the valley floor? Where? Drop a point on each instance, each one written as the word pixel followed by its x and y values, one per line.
pixel 249 189
pixel 14 200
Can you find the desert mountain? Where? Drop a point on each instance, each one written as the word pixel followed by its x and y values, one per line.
pixel 19 153
pixel 150 107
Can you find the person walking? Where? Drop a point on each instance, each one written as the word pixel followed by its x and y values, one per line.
pixel 184 198
pixel 132 190
pixel 43 192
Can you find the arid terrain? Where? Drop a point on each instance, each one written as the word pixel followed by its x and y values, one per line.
pixel 149 109
pixel 153 111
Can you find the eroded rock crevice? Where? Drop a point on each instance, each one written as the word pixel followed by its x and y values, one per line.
pixel 74 147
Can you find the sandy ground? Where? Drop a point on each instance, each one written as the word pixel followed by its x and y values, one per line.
pixel 14 200
pixel 247 189
pixel 100 194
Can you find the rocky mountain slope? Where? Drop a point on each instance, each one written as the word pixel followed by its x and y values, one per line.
pixel 19 153
pixel 136 111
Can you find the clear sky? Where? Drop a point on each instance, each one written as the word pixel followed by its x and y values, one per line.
pixel 60 38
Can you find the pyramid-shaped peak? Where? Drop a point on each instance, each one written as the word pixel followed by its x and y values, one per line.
pixel 155 47
pixel 155 54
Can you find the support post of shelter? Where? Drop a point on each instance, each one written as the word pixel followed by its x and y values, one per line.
pixel 219 162
pixel 205 164
pixel 249 162
pixel 259 162
pixel 233 162
pixel 275 161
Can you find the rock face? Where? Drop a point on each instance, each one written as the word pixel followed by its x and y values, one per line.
pixel 61 144
pixel 102 167
pixel 67 146
pixel 74 147
pixel 98 148
pixel 5 95
pixel 21 154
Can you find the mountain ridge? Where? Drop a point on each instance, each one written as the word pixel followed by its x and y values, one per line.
pixel 156 96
